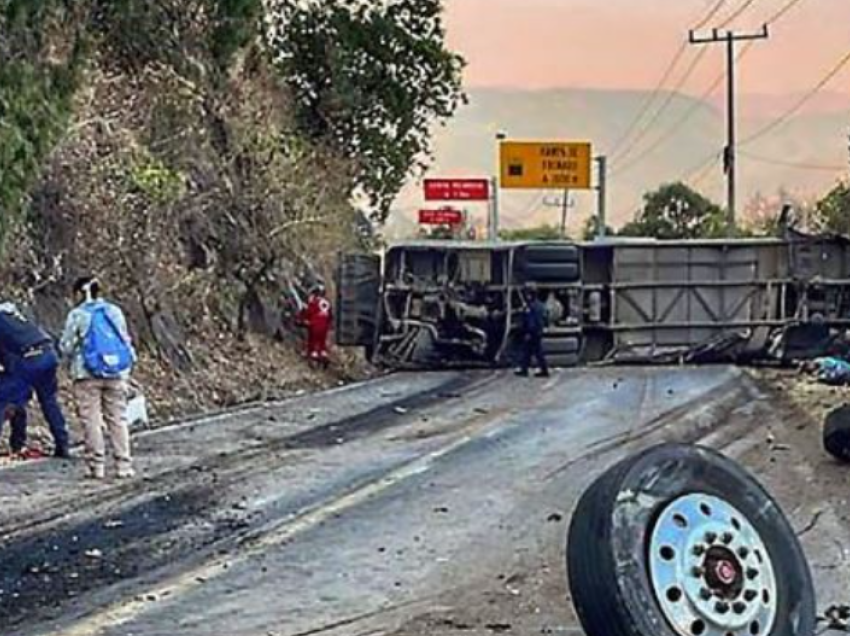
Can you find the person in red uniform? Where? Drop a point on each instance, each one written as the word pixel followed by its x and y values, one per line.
pixel 317 317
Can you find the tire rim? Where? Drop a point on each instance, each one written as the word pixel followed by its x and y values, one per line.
pixel 710 570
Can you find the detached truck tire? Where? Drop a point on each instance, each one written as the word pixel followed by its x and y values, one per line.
pixel 836 433
pixel 680 541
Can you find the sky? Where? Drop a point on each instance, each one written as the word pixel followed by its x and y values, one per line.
pixel 626 44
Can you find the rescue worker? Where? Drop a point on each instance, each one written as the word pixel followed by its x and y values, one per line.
pixel 534 320
pixel 30 363
pixel 317 317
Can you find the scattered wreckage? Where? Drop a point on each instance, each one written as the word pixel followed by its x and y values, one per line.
pixel 438 304
pixel 681 541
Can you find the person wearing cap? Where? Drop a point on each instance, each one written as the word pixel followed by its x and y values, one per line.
pixel 534 322
pixel 101 399
pixel 317 317
pixel 30 364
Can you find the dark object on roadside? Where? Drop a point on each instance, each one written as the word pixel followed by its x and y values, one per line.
pixel 836 433
pixel 837 618
pixel 680 540
pixel 809 341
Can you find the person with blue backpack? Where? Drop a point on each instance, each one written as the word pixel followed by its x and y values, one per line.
pixel 100 353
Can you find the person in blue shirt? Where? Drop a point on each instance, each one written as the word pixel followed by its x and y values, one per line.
pixel 30 364
pixel 534 322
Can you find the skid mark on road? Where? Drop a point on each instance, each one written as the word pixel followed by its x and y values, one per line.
pixel 275 536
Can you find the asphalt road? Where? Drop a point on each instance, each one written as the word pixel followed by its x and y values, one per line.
pixel 417 504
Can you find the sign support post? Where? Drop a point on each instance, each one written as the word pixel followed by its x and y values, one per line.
pixel 602 190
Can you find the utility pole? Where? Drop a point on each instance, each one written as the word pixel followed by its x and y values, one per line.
pixel 564 203
pixel 602 191
pixel 493 221
pixel 496 183
pixel 730 152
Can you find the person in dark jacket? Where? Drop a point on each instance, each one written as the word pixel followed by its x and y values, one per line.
pixel 14 396
pixel 534 322
pixel 30 363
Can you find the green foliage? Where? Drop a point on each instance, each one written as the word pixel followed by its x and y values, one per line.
pixel 539 233
pixel 675 211
pixel 235 26
pixel 370 78
pixel 35 99
pixel 157 181
pixel 589 232
pixel 833 211
pixel 177 32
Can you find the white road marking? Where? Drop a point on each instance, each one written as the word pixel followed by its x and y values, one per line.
pixel 125 611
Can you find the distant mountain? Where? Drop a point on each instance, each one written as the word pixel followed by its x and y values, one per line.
pixel 466 146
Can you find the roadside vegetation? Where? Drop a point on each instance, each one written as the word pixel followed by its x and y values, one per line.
pixel 208 159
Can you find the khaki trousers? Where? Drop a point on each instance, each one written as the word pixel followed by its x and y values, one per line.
pixel 101 405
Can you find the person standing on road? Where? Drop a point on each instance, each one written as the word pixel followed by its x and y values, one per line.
pixel 534 320
pixel 101 356
pixel 30 363
pixel 317 316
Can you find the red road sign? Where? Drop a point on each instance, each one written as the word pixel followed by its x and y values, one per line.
pixel 440 217
pixel 457 190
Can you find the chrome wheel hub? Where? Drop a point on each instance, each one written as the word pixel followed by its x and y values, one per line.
pixel 710 570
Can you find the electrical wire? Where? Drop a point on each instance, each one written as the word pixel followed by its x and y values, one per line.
pixel 699 175
pixel 794 164
pixel 710 16
pixel 772 20
pixel 665 77
pixel 671 95
pixel 791 112
pixel 737 13
pixel 668 134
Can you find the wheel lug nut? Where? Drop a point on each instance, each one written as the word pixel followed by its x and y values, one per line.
pixel 699 550
pixel 727 537
pixel 705 594
pixel 721 607
pixel 743 552
pixel 739 607
pixel 750 595
pixel 752 573
pixel 710 537
pixel 698 572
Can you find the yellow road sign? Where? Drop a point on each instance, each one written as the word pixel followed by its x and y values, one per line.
pixel 529 165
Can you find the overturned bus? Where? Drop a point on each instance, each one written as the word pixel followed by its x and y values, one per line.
pixel 433 304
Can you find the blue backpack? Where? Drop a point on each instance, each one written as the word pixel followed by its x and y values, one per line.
pixel 105 351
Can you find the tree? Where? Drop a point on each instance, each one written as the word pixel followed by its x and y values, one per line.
pixel 675 211
pixel 539 233
pixel 590 229
pixel 369 78
pixel 833 211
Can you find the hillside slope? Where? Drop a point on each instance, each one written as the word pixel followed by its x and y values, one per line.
pixel 467 146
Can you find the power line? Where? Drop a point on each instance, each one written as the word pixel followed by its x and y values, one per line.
pixel 650 101
pixel 787 115
pixel 698 175
pixel 795 164
pixel 665 77
pixel 671 95
pixel 698 104
pixel 772 20
pixel 710 16
pixel 670 132
pixel 735 15
pixel 730 40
